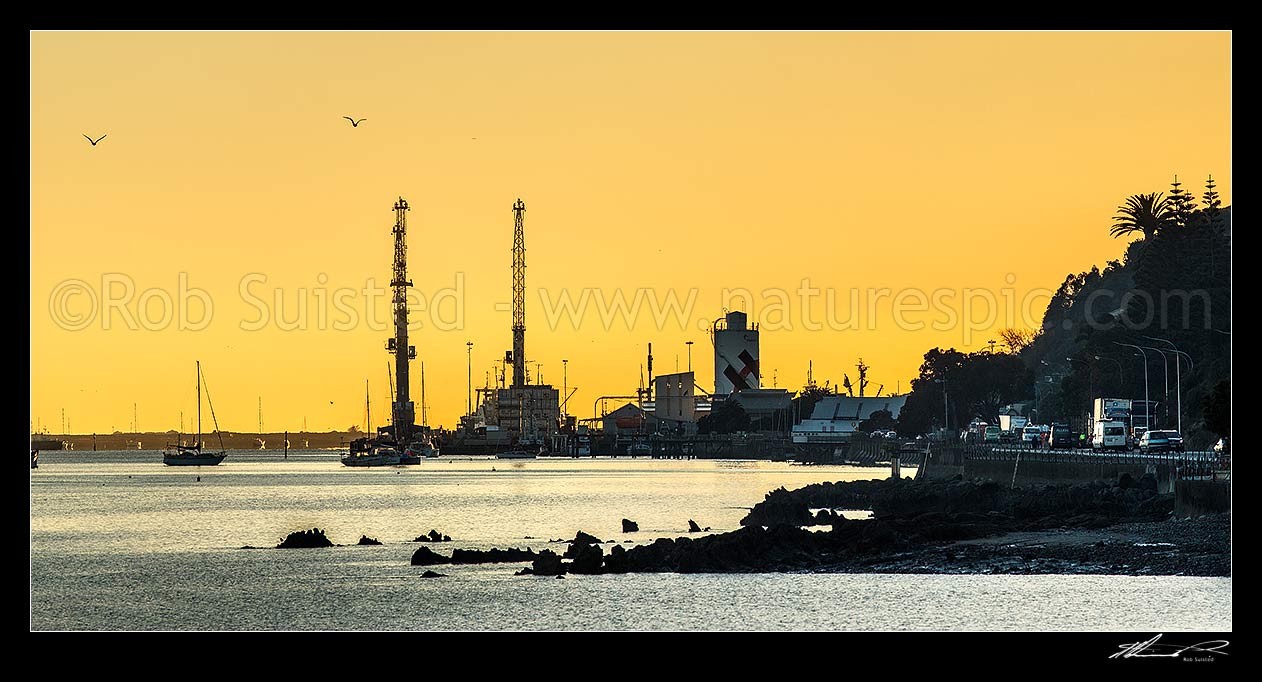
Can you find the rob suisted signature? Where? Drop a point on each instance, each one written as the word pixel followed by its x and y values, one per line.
pixel 1151 649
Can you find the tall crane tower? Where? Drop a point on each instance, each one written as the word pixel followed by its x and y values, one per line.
pixel 519 296
pixel 403 412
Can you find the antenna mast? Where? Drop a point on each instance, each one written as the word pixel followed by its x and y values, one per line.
pixel 519 295
pixel 403 412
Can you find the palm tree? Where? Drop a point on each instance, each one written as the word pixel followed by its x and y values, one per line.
pixel 1147 213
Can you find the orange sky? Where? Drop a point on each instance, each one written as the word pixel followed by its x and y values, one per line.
pixel 660 163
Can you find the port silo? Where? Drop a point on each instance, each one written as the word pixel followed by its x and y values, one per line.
pixel 735 354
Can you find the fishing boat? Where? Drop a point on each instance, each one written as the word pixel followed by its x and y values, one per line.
pixel 364 452
pixel 193 455
pixel 422 446
pixel 409 456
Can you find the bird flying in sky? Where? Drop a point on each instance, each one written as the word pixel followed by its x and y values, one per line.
pixel 354 123
pixel 96 140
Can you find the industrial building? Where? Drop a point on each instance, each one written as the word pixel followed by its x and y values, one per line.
pixel 528 413
pixel 735 354
pixel 836 418
pixel 675 397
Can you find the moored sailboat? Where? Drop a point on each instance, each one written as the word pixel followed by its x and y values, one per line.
pixel 193 455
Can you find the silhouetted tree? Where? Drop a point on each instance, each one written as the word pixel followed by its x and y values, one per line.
pixel 881 419
pixel 1017 339
pixel 1218 409
pixel 975 384
pixel 1182 204
pixel 1213 206
pixel 1147 213
pixel 1213 219
pixel 810 394
pixel 730 417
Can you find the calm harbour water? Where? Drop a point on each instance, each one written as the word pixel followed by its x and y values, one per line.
pixel 121 542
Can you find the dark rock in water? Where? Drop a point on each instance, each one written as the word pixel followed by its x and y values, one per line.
pixel 305 538
pixel 250 547
pixel 365 540
pixel 491 556
pixel 428 557
pixel 432 574
pixel 629 526
pixel 580 540
pixel 1125 481
pixel 827 517
pixel 693 527
pixel 433 536
pixel 547 563
pixel 525 571
pixel 1148 482
pixel 616 562
pixel 560 576
pixel 587 560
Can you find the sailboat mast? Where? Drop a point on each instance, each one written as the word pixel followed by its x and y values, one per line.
pixel 390 382
pixel 424 421
pixel 198 442
pixel 367 409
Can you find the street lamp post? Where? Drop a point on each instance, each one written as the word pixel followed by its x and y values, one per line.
pixel 1147 405
pixel 1120 383
pixel 1165 367
pixel 565 383
pixel 1178 384
pixel 1090 369
pixel 469 400
pixel 945 413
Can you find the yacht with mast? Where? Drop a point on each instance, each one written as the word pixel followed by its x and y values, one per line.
pixel 422 444
pixel 369 451
pixel 194 455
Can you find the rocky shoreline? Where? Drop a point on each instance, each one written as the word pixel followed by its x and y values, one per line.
pixel 1122 527
pixel 1189 547
pixel 946 527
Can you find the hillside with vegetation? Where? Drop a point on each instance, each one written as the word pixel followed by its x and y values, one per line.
pixel 1169 295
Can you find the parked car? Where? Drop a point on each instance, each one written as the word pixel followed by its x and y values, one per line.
pixel 1061 437
pixel 1176 440
pixel 992 435
pixel 1032 435
pixel 1154 441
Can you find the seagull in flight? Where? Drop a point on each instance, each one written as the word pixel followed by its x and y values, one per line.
pixel 354 123
pixel 96 140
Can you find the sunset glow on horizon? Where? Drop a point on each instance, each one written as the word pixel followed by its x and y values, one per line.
pixel 802 173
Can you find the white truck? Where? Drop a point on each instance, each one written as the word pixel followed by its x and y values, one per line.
pixel 1010 426
pixel 1108 435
